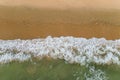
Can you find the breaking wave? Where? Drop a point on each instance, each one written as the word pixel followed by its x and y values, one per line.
pixel 74 50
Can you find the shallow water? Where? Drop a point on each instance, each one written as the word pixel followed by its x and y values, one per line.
pixel 48 69
pixel 60 58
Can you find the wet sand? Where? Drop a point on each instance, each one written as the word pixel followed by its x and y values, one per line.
pixel 28 23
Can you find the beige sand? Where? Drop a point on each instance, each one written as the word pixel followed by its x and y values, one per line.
pixel 63 4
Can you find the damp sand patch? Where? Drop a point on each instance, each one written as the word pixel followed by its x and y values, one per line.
pixel 92 59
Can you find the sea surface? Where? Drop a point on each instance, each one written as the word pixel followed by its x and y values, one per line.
pixel 60 58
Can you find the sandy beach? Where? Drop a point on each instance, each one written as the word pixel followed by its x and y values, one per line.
pixel 27 19
pixel 28 22
pixel 51 39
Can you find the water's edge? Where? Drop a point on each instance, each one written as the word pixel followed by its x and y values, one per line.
pixel 98 51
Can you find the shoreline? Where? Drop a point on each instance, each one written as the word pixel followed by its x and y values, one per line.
pixel 73 50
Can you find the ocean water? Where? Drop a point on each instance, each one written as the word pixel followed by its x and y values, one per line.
pixel 60 58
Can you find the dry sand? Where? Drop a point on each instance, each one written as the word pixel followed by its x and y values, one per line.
pixel 63 4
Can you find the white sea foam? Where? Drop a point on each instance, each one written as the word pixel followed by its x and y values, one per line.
pixel 71 49
pixel 95 74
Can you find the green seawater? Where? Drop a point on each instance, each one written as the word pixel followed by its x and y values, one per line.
pixel 48 69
